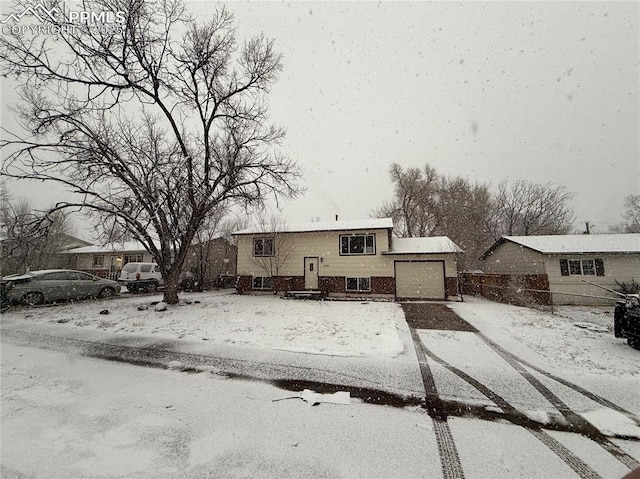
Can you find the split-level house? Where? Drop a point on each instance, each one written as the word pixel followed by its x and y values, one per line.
pixel 347 258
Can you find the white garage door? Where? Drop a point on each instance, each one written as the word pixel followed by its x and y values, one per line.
pixel 420 280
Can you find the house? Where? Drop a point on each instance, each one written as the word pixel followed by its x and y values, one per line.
pixel 207 262
pixel 212 263
pixel 573 264
pixel 104 261
pixel 347 258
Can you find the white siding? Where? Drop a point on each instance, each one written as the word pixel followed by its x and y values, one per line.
pixel 617 267
pixel 324 245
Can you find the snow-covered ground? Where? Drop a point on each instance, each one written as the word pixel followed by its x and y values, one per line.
pixel 336 328
pixel 554 340
pixel 203 423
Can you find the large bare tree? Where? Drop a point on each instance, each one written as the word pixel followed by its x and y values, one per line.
pixel 152 124
pixel 524 208
pixel 29 237
pixel 426 203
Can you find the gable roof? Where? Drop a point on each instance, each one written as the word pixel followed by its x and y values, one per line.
pixel 433 244
pixel 133 246
pixel 565 244
pixel 348 225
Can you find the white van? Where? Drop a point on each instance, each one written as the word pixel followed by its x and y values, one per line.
pixel 141 277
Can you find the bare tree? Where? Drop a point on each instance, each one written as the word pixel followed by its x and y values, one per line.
pixel 464 209
pixel 200 262
pixel 525 208
pixel 152 124
pixel 29 237
pixel 277 247
pixel 631 222
pixel 413 208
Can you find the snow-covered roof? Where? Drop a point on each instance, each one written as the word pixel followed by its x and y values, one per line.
pixel 433 244
pixel 562 244
pixel 342 225
pixel 110 248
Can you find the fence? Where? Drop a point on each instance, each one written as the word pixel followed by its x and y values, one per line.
pixel 519 289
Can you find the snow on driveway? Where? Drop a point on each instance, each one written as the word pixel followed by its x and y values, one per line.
pixel 595 360
pixel 336 328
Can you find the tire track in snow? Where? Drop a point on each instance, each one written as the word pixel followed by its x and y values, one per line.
pixel 449 458
pixel 582 469
pixel 571 416
pixel 588 394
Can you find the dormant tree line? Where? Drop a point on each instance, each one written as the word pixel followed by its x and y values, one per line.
pixel 473 215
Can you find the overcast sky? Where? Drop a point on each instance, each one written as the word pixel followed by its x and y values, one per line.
pixel 544 91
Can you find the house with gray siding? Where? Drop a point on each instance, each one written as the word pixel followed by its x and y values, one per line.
pixel 575 265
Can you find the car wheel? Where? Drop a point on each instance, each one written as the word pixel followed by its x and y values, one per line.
pixel 106 292
pixel 634 343
pixel 151 287
pixel 32 299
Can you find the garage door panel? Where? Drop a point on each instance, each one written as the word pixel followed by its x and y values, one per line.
pixel 420 280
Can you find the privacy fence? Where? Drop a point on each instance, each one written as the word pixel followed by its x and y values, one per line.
pixel 519 289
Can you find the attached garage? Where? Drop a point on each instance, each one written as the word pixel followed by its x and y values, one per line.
pixel 420 279
pixel 425 268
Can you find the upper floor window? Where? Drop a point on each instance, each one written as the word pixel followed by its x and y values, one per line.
pixel 358 244
pixel 263 247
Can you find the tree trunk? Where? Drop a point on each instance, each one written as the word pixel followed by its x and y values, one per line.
pixel 171 288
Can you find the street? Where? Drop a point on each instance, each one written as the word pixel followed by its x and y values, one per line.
pixel 469 409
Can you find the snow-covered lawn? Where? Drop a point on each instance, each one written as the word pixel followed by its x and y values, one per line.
pixel 338 328
pixel 555 339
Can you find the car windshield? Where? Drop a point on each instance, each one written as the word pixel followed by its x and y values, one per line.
pixel 129 268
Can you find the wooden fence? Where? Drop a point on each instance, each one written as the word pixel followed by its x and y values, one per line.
pixel 520 289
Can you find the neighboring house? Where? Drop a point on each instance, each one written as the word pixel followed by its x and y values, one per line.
pixel 104 261
pixel 207 261
pixel 212 263
pixel 570 263
pixel 347 258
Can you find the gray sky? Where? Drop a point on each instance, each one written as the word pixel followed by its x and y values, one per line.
pixel 544 91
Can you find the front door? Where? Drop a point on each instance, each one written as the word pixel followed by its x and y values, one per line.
pixel 311 273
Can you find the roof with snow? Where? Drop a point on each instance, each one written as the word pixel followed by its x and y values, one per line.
pixel 433 244
pixel 348 225
pixel 110 248
pixel 563 244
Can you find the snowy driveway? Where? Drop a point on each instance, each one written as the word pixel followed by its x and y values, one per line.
pixel 464 370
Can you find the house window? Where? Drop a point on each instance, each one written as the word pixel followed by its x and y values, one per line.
pixel 581 267
pixel 263 247
pixel 358 284
pixel 132 258
pixel 357 244
pixel 98 261
pixel 262 282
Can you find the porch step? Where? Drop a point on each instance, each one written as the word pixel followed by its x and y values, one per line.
pixel 305 294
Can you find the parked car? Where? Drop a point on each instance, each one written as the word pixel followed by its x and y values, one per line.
pixel 48 285
pixel 141 277
pixel 626 320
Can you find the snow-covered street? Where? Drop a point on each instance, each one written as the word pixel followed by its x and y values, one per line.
pixel 527 394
